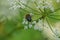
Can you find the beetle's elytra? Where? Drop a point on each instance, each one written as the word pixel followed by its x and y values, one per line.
pixel 28 17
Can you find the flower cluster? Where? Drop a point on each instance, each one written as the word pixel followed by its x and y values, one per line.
pixel 15 4
pixel 42 5
pixel 34 24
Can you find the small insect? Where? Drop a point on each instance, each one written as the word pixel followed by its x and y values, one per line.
pixel 28 17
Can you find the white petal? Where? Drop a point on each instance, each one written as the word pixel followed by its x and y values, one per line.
pixel 25 27
pixel 34 22
pixel 30 25
pixel 26 22
pixel 35 27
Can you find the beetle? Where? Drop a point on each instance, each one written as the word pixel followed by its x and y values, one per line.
pixel 28 17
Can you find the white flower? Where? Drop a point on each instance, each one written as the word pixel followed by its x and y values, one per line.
pixel 25 27
pixel 30 25
pixel 39 26
pixel 24 21
pixel 40 21
pixel 31 14
pixel 15 4
pixel 49 4
pixel 36 27
pixel 23 1
pixel 15 7
pixel 34 22
pixel 56 32
pixel 46 25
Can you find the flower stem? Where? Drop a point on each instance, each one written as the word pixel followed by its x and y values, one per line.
pixel 50 27
pixel 29 7
pixel 39 8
